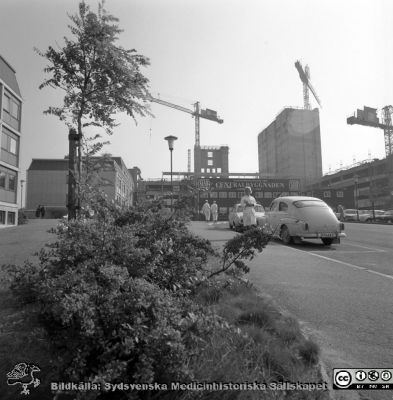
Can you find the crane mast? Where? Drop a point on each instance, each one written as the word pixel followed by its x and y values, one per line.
pixel 197 113
pixel 305 78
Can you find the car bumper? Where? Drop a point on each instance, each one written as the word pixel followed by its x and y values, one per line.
pixel 323 235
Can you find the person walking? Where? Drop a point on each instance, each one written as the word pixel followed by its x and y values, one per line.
pixel 214 210
pixel 206 210
pixel 340 210
pixel 38 211
pixel 248 202
pixel 42 211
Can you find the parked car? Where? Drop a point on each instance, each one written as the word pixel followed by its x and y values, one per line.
pixel 300 217
pixel 350 214
pixel 365 215
pixel 235 217
pixel 378 215
pixel 387 216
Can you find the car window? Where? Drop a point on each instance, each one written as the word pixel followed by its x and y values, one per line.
pixel 350 211
pixel 283 206
pixel 310 203
pixel 274 206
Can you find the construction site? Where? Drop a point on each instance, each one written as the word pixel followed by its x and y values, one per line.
pixel 289 162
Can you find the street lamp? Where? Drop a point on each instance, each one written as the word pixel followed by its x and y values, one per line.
pixel 171 141
pixel 21 193
pixel 356 196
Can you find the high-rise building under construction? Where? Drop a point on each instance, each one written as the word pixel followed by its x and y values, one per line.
pixel 290 147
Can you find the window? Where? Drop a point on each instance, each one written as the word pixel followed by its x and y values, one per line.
pixel 2 217
pixel 210 154
pixel 9 147
pixel 340 193
pixel 209 162
pixel 232 195
pixel 11 110
pixel 268 195
pixel 208 170
pixel 309 203
pixel 283 206
pixel 213 194
pixel 11 218
pixel 223 195
pixel 12 146
pixel 203 170
pixel 213 170
pixel 218 170
pixel 12 182
pixel 327 194
pixel 2 179
pixel 15 109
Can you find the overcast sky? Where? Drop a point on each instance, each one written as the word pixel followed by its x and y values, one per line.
pixel 233 56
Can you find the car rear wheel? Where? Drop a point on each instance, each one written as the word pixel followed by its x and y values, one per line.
pixel 327 241
pixel 285 236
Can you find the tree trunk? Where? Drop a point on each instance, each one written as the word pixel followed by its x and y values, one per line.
pixel 73 139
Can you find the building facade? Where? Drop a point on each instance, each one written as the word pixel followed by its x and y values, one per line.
pixel 10 130
pixel 211 159
pixel 290 146
pixel 370 184
pixel 226 191
pixel 47 184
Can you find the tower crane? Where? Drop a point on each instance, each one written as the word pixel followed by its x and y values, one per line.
pixel 305 78
pixel 197 113
pixel 368 117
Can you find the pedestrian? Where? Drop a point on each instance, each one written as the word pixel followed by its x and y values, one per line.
pixel 214 210
pixel 206 210
pixel 248 202
pixel 340 210
pixel 38 211
pixel 42 211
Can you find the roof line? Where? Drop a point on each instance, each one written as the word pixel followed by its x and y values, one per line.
pixel 8 64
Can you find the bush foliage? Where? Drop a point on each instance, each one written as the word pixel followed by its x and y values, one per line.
pixel 118 298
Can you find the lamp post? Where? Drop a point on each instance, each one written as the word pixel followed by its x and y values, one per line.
pixel 21 193
pixel 171 140
pixel 356 197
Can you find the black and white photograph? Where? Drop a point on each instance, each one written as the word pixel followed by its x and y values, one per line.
pixel 196 200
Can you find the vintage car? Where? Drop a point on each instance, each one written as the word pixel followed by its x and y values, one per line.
pixel 351 214
pixel 293 218
pixel 370 215
pixel 387 216
pixel 235 217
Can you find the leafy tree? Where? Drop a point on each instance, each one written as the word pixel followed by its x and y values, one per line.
pixel 98 76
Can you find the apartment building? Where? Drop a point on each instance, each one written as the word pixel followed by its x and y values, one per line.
pixel 10 130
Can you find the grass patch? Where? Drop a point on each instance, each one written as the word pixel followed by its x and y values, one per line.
pixel 273 347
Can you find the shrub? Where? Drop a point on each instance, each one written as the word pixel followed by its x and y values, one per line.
pixel 309 352
pixel 111 294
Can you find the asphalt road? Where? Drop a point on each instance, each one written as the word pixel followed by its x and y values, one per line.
pixel 342 294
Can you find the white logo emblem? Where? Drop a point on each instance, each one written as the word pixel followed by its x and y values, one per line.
pixel 23 374
pixel 342 378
